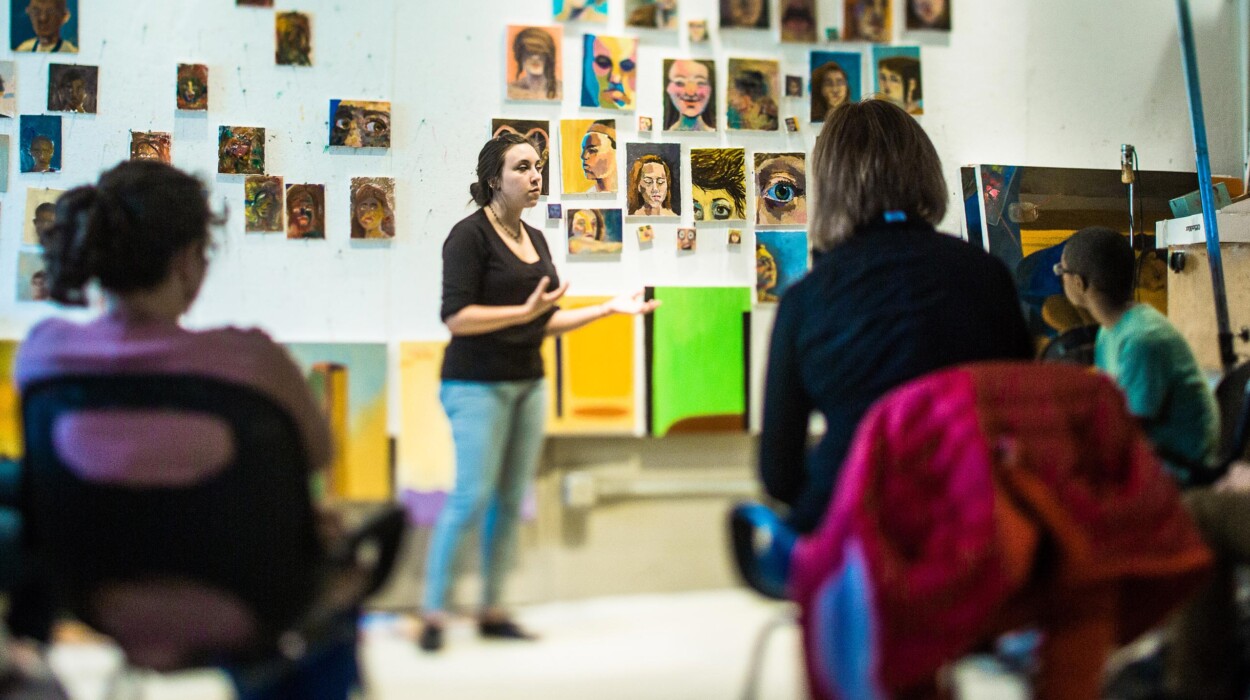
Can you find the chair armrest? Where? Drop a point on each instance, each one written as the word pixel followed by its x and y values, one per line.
pixel 372 546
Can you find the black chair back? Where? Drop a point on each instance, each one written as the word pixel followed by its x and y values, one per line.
pixel 1075 346
pixel 1234 405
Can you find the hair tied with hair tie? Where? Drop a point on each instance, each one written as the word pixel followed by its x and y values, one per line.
pixel 894 216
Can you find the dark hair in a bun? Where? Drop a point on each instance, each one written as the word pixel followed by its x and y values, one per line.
pixel 124 230
pixel 490 166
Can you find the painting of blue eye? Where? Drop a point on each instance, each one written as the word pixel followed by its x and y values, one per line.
pixel 781 188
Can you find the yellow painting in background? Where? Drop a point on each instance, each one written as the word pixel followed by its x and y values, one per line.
pixel 426 460
pixel 592 387
pixel 10 406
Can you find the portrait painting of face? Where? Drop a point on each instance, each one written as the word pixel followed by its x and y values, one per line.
pixel 44 26
pixel 696 30
pixel 150 145
pixel 868 20
pixel 40 214
pixel 609 72
pixel 72 88
pixel 753 89
pixel 594 231
pixel 718 183
pixel 835 81
pixel 588 155
pixel 646 234
pixel 40 143
pixel 580 10
pixel 689 95
pixel 305 211
pixel 538 133
pixel 373 207
pixel 293 31
pixel 360 124
pixel 8 89
pixel 686 239
pixel 655 14
pixel 735 237
pixel 241 150
pixel 780 260
pixel 654 182
pixel 192 88
pixel 929 14
pixel 798 21
pixel 262 204
pixel 794 86
pixel 898 76
pixel 744 14
pixel 645 124
pixel 533 63
pixel 32 278
pixel 555 212
pixel 780 188
pixel 792 125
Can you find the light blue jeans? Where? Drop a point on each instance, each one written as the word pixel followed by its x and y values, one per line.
pixel 497 428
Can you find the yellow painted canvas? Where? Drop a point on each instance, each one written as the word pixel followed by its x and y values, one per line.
pixel 593 389
pixel 426 460
pixel 588 155
pixel 10 407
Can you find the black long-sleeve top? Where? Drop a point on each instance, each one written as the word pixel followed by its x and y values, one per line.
pixel 893 302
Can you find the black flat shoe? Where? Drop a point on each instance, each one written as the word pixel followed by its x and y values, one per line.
pixel 431 638
pixel 503 629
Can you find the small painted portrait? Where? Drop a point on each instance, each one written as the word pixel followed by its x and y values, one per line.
pixel 305 211
pixel 868 20
pixel 832 34
pixel 780 188
pixel 654 179
pixel 150 145
pixel 744 14
pixel 686 239
pixel 696 30
pixel 898 76
pixel 792 124
pixel 794 86
pixel 718 184
pixel 780 260
pixel 594 231
pixel 689 95
pixel 655 14
pixel 588 154
pixel 735 237
pixel 254 3
pixel 40 143
pixel 373 207
pixel 798 21
pixel 293 31
pixel 751 103
pixel 929 14
pixel 360 124
pixel 44 26
pixel 241 150
pixel 534 63
pixel 835 81
pixel 646 234
pixel 32 278
pixel 555 212
pixel 538 133
pixel 262 204
pixel 580 10
pixel 40 214
pixel 192 88
pixel 609 72
pixel 8 89
pixel 72 88
pixel 645 125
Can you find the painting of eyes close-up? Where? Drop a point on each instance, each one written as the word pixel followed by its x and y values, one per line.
pixel 192 88
pixel 360 124
pixel 780 189
pixel 373 207
pixel 533 63
pixel 305 211
pixel 609 72
pixel 718 184
pixel 689 95
pixel 150 145
pixel 241 150
pixel 538 133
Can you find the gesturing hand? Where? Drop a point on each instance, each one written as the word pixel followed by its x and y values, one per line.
pixel 540 300
pixel 631 303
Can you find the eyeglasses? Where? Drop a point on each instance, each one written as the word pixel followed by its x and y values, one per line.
pixel 1060 270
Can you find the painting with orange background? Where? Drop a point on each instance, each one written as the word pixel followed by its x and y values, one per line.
pixel 533 63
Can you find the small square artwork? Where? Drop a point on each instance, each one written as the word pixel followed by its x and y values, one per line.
pixel 555 211
pixel 594 231
pixel 40 143
pixel 744 14
pixel 654 187
pixel 718 182
pixel 792 124
pixel 753 91
pixel 241 150
pixel 192 91
pixel 254 3
pixel 8 89
pixel 293 31
pixel 794 86
pixel 696 30
pixel 835 81
pixel 869 20
pixel 373 207
pixel 780 260
pixel 533 63
pixel 32 278
pixel 609 72
pixel 580 10
pixel 150 145
pixel 538 133
pixel 832 33
pixel 360 124
pixel 653 14
pixel 646 234
pixel 40 214
pixel 897 70
pixel 262 204
pixel 735 237
pixel 645 125
pixel 588 155
pixel 798 21
pixel 780 189
pixel 4 162
pixel 686 238
pixel 934 15
pixel 305 211
pixel 44 26
pixel 72 88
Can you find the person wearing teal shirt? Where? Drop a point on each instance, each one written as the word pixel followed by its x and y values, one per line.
pixel 1145 354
